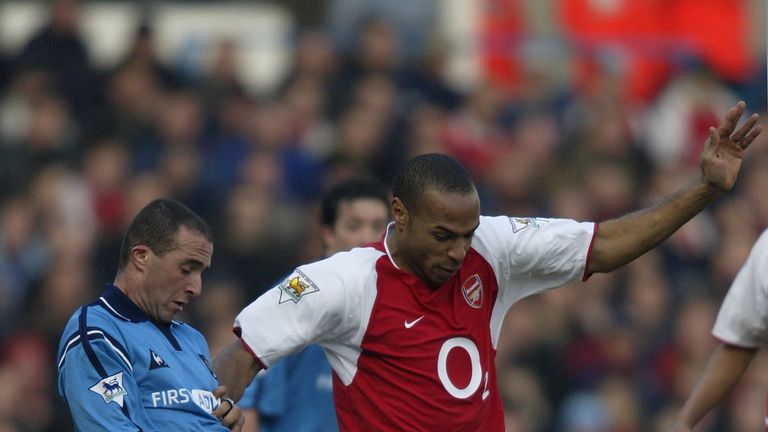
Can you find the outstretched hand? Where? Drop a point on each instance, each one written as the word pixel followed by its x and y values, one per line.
pixel 723 150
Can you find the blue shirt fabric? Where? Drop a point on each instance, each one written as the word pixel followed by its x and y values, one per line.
pixel 295 394
pixel 119 371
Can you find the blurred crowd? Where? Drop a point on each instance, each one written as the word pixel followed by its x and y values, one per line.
pixel 82 149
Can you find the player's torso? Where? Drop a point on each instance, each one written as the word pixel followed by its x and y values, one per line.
pixel 172 378
pixel 428 351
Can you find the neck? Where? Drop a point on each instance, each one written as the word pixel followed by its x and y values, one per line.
pixel 124 283
pixel 395 253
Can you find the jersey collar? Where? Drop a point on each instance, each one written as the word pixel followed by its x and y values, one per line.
pixel 390 228
pixel 117 303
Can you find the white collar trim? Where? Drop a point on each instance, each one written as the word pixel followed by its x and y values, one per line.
pixel 390 227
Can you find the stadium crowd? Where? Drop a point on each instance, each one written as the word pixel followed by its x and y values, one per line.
pixel 82 149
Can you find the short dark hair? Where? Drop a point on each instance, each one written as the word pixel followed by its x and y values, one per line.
pixel 350 189
pixel 156 226
pixel 435 171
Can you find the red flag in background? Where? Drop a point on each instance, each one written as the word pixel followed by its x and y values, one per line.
pixel 643 40
pixel 718 31
pixel 626 36
pixel 502 29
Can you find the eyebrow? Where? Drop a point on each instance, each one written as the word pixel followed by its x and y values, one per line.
pixel 449 231
pixel 195 262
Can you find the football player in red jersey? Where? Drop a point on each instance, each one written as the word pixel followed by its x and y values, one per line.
pixel 410 324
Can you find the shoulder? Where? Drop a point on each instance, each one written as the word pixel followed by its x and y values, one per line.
pixel 92 315
pixel 343 266
pixel 89 325
pixel 360 256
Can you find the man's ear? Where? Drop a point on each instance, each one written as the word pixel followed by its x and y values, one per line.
pixel 326 233
pixel 400 213
pixel 139 256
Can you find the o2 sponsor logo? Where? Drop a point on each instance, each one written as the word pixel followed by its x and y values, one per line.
pixel 477 376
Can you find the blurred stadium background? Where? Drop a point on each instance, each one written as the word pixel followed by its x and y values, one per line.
pixel 246 111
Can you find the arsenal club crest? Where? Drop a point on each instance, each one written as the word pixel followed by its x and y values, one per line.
pixel 472 289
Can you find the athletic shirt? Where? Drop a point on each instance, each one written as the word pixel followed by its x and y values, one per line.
pixel 407 356
pixel 118 371
pixel 743 317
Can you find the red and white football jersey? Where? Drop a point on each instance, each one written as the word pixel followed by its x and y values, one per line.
pixel 406 356
pixel 743 316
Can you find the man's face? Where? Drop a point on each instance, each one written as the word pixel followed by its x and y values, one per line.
pixel 436 237
pixel 173 279
pixel 358 222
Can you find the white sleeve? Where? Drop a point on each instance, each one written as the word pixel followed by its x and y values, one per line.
pixel 743 316
pixel 317 303
pixel 531 255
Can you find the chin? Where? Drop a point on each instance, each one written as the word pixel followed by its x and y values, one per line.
pixel 436 283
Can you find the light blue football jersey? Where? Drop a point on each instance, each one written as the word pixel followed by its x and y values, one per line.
pixel 119 371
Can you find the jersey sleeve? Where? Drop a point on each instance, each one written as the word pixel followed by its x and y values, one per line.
pixel 743 316
pixel 97 381
pixel 530 255
pixel 317 303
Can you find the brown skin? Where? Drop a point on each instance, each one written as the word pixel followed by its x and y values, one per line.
pixel 726 366
pixel 431 242
pixel 161 285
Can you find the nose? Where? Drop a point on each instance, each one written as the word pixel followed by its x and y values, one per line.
pixel 195 287
pixel 458 250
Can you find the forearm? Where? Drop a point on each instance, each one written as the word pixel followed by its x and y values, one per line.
pixel 724 369
pixel 235 369
pixel 621 240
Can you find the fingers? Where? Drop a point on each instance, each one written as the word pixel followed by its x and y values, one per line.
pixel 219 392
pixel 231 405
pixel 228 412
pixel 744 143
pixel 238 426
pixel 226 404
pixel 731 119
pixel 233 417
pixel 746 133
pixel 714 138
pixel 743 132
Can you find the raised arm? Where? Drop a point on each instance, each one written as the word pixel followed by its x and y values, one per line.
pixel 726 366
pixel 235 368
pixel 619 241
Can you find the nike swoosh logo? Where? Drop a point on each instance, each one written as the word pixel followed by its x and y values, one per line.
pixel 409 324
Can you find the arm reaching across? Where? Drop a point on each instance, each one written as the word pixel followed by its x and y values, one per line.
pixel 619 241
pixel 726 366
pixel 235 367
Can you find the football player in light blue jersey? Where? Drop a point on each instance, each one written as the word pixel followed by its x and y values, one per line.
pixel 296 394
pixel 124 363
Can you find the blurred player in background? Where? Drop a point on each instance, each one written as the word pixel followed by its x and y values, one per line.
pixel 410 324
pixel 353 213
pixel 742 328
